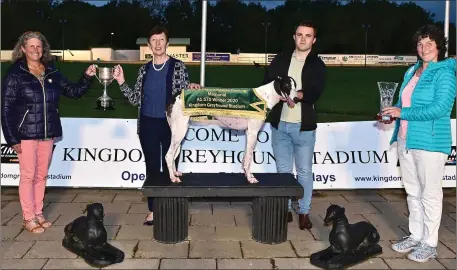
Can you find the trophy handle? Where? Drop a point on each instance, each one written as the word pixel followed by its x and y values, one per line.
pixel 96 67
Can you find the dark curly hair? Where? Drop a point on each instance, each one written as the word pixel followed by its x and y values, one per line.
pixel 434 33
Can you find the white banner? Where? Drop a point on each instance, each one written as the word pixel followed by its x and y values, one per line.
pixel 98 152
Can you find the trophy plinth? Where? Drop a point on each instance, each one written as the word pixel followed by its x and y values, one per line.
pixel 105 77
pixel 386 94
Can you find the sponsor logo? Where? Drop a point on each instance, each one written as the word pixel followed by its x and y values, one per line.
pixel 324 178
pixel 132 177
pixel 102 154
pixel 351 157
pixel 10 156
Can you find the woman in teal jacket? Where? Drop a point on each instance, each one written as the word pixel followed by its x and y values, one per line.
pixel 423 133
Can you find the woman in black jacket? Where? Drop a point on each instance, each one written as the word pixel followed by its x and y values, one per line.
pixel 30 118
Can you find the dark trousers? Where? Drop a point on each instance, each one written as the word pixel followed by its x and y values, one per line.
pixel 155 138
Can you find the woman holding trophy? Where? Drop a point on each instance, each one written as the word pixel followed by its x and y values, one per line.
pixel 157 83
pixel 30 118
pixel 423 132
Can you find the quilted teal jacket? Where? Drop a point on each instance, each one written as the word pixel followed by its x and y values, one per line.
pixel 429 117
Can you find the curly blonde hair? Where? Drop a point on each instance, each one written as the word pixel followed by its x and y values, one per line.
pixel 22 41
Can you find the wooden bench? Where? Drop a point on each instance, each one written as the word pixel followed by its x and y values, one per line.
pixel 270 202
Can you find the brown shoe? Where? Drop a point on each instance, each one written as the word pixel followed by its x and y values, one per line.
pixel 290 218
pixel 304 222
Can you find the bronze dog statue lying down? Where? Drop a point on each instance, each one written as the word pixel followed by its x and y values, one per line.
pixel 349 243
pixel 86 236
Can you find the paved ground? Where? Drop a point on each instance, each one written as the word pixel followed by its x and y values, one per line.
pixel 219 233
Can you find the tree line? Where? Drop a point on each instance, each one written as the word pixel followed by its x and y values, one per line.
pixel 377 26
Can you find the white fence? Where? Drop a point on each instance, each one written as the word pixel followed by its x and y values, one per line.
pixel 107 153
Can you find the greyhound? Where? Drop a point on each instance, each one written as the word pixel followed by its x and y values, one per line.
pixel 280 89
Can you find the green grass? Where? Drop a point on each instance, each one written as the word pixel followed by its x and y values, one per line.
pixel 351 93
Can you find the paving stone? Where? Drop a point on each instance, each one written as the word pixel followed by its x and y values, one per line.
pixel 358 208
pixel 448 207
pixel 67 208
pixel 352 218
pixel 93 198
pixel 200 208
pixel 293 263
pixel 361 197
pixel 253 249
pixel 11 208
pixel 394 197
pixel 450 228
pixel 154 249
pixel 127 246
pixel 387 251
pixel 10 232
pixel 136 264
pixel 244 264
pixel 202 219
pixel 59 197
pixel 243 220
pixel 386 220
pixel 444 252
pixel 294 233
pixel 188 264
pixel 138 208
pixel 23 263
pixel 49 249
pixel 232 209
pixel 129 197
pixel 232 233
pixel 134 232
pixel 372 263
pixel 306 248
pixel 389 208
pixel 18 220
pixel 452 215
pixel 328 198
pixel 408 264
pixel 4 203
pixel 448 263
pixel 391 232
pixel 450 244
pixel 68 264
pixel 15 249
pixel 123 219
pixel 7 217
pixel 64 218
pixel 116 208
pixel 10 197
pixel 214 249
pixel 198 233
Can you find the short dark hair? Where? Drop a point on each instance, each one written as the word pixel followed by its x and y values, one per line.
pixel 436 34
pixel 158 30
pixel 307 23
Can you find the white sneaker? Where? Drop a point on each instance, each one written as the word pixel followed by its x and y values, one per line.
pixel 422 253
pixel 406 245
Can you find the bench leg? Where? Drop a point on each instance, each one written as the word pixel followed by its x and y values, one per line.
pixel 269 221
pixel 171 219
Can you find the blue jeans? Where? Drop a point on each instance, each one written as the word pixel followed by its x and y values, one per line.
pixel 289 145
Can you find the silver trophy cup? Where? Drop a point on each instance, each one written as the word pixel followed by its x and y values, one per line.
pixel 386 93
pixel 105 77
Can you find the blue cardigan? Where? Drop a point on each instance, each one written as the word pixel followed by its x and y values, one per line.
pixel 429 123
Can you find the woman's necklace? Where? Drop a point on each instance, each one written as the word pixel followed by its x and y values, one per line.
pixel 158 69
